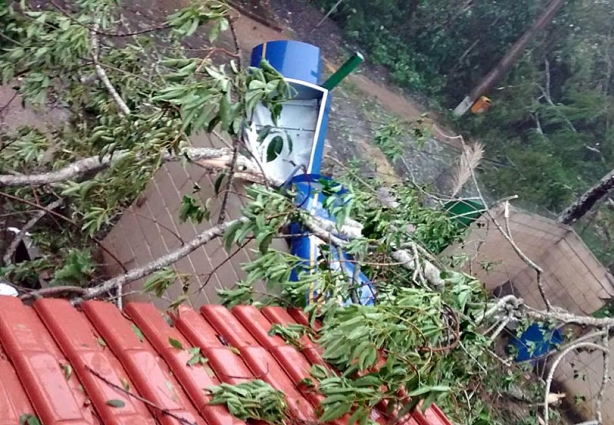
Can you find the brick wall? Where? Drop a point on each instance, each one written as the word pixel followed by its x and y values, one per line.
pixel 151 228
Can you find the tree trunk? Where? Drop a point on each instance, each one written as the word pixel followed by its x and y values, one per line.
pixel 510 57
pixel 587 201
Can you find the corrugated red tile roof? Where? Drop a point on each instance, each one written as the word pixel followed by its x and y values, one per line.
pixel 64 365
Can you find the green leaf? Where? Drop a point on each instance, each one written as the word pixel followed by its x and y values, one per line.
pixel 116 403
pixel 225 111
pixel 336 411
pixel 196 357
pixel 264 132
pixel 137 332
pixel 218 182
pixel 175 344
pixel 125 384
pixel 230 234
pixel 29 419
pixel 265 243
pixel 101 342
pixel 427 389
pixel 274 149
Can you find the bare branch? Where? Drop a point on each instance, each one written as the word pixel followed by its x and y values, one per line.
pixel 95 164
pixel 158 263
pixel 606 373
pixel 555 364
pixel 8 255
pixel 538 270
pixel 507 235
pixel 102 74
pixel 231 176
pixel 53 291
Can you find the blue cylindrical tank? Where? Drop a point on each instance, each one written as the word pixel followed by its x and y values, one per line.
pixel 292 59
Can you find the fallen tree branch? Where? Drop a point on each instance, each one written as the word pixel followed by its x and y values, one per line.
pixel 102 75
pixel 507 235
pixel 555 364
pixel 158 263
pixel 95 164
pixel 605 341
pixel 431 272
pixel 68 220
pixel 8 255
pixel 53 291
pixel 538 270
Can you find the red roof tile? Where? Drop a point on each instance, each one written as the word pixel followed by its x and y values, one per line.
pixel 64 365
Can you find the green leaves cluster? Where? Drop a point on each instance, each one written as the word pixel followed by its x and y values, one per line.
pixel 254 400
pixel 170 96
pixel 185 22
pixel 220 96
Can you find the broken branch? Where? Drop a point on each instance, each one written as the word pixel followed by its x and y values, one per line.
pixel 102 74
pixel 8 256
pixel 158 263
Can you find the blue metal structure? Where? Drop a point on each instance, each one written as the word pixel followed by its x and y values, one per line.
pixel 292 59
pixel 312 198
pixel 301 65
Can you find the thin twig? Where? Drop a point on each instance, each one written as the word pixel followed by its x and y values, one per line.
pixel 139 398
pixel 507 235
pixel 153 220
pixel 53 290
pixel 538 270
pixel 219 266
pixel 235 39
pixel 8 256
pixel 102 73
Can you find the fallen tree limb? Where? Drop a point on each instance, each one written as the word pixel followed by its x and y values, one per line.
pixel 159 263
pixel 95 164
pixel 8 255
pixel 555 365
pixel 52 291
pixel 102 75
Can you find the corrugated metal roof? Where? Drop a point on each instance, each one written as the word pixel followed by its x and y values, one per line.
pixel 65 365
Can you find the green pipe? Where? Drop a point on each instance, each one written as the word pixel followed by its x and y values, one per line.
pixel 350 65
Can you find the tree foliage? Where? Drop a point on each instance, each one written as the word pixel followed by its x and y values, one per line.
pixel 132 101
pixel 551 123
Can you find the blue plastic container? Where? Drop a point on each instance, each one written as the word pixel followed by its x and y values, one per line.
pixel 538 336
pixel 292 59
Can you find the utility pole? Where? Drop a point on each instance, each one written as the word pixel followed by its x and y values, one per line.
pixel 581 206
pixel 510 58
